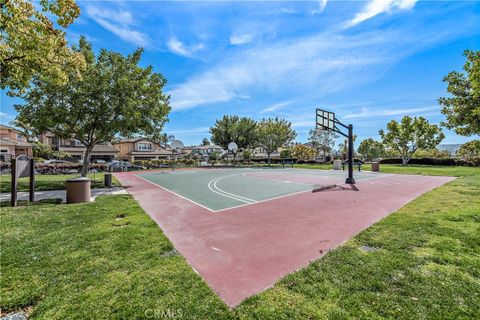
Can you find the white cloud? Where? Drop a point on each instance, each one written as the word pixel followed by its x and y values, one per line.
pixel 177 47
pixel 373 112
pixel 325 62
pixel 237 40
pixel 276 107
pixel 321 6
pixel 119 22
pixel 375 7
pixel 6 116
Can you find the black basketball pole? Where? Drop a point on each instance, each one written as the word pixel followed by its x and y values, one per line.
pixel 13 196
pixel 350 179
pixel 31 195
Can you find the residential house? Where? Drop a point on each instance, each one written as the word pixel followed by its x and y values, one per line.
pixel 260 153
pixel 13 143
pixel 141 149
pixel 76 150
pixel 203 152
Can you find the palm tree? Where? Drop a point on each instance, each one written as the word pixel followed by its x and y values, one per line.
pixel 165 139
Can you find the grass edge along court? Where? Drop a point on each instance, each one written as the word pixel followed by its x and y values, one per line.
pixel 112 261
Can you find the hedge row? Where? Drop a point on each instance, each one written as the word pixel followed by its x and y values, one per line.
pixel 151 164
pixel 45 168
pixel 429 161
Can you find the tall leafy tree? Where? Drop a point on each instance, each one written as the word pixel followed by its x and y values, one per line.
pixel 30 44
pixel 462 108
pixel 205 142
pixel 242 131
pixel 371 149
pixel 411 134
pixel 302 152
pixel 115 97
pixel 322 141
pixel 273 134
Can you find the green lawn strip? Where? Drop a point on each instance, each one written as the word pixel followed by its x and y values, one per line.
pixel 51 182
pixel 427 265
pixel 82 262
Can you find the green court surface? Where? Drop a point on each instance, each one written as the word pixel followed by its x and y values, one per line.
pixel 221 189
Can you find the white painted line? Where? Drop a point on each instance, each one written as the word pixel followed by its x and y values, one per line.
pixel 216 249
pixel 224 195
pixel 232 194
pixel 172 192
pixel 260 201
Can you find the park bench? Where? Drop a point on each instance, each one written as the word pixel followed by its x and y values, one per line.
pixel 288 162
pixel 356 163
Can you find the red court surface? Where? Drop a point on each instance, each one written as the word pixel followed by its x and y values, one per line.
pixel 242 251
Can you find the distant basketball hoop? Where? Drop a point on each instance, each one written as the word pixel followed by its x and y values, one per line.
pixel 22 166
pixel 176 146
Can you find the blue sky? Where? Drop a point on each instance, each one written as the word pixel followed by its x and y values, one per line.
pixel 368 61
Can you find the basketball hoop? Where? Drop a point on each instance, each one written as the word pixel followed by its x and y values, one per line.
pixel 326 120
pixel 176 146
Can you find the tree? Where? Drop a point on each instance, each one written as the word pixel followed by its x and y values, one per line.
pixel 371 149
pixel 470 152
pixel 214 157
pixel 165 139
pixel 247 155
pixel 273 134
pixel 302 152
pixel 322 141
pixel 115 97
pixel 41 150
pixel 343 147
pixel 234 129
pixel 432 153
pixel 286 153
pixel 205 142
pixel 31 45
pixel 411 134
pixel 462 110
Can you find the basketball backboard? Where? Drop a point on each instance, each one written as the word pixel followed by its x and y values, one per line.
pixel 325 120
pixel 232 146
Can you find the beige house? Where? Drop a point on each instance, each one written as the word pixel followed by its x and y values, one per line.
pixel 76 150
pixel 141 149
pixel 13 144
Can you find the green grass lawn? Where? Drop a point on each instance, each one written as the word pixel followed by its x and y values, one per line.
pixel 51 182
pixel 82 261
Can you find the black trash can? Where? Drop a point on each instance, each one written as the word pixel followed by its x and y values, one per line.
pixel 108 180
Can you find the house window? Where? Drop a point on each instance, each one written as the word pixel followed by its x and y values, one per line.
pixel 145 146
pixel 4 151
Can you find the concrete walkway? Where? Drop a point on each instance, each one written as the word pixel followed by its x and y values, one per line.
pixel 61 194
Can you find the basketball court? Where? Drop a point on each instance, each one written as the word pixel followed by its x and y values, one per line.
pixel 241 230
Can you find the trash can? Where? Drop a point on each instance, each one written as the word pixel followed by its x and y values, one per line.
pixel 375 166
pixel 108 180
pixel 78 190
pixel 337 164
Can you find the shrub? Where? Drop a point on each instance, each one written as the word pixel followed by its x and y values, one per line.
pixel 470 153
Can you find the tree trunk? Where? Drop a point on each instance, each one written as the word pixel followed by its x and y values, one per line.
pixel 86 161
pixel 268 159
pixel 405 161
